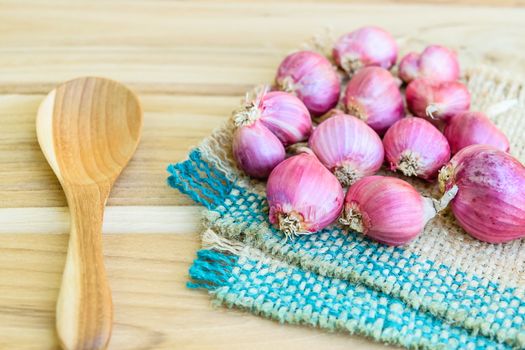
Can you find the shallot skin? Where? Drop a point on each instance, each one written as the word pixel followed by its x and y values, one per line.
pixel 490 199
pixel 312 78
pixel 436 63
pixel 285 116
pixel 303 196
pixel 416 148
pixel 256 150
pixel 471 128
pixel 386 209
pixel 366 46
pixel 373 96
pixel 348 147
pixel 437 100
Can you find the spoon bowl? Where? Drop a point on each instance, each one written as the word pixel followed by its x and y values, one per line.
pixel 88 129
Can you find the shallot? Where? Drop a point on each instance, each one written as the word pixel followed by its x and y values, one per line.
pixel 256 150
pixel 366 46
pixel 436 63
pixel 303 196
pixel 386 209
pixel 373 96
pixel 490 199
pixel 281 112
pixel 264 125
pixel 471 128
pixel 348 147
pixel 416 148
pixel 437 100
pixel 312 78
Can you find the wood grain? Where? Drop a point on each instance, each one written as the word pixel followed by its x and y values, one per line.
pixel 172 125
pixel 153 308
pixel 88 129
pixel 117 220
pixel 190 62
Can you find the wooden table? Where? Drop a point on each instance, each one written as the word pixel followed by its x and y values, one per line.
pixel 190 62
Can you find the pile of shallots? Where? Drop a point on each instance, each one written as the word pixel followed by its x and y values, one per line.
pixel 368 125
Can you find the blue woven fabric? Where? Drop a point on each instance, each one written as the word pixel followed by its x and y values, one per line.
pixel 292 295
pixel 429 297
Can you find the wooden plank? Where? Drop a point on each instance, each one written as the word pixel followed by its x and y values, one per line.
pixel 190 62
pixel 171 43
pixel 153 308
pixel 172 125
pixel 191 81
pixel 117 220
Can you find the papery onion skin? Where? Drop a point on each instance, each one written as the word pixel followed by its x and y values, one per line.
pixel 436 63
pixel 416 148
pixel 312 78
pixel 437 101
pixel 386 209
pixel 373 96
pixel 366 46
pixel 303 196
pixel 474 128
pixel 490 199
pixel 256 150
pixel 286 117
pixel 348 147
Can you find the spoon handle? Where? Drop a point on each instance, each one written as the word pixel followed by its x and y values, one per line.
pixel 84 306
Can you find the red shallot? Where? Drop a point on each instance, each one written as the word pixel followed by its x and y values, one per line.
pixel 373 96
pixel 348 147
pixel 416 148
pixel 490 199
pixel 436 63
pixel 264 125
pixel 437 100
pixel 312 78
pixel 303 196
pixel 472 128
pixel 256 150
pixel 386 209
pixel 366 46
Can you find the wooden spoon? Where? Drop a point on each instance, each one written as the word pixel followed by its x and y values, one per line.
pixel 88 129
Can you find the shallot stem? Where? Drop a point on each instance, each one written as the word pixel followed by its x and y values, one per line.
pixel 247 115
pixel 287 84
pixel 430 110
pixel 249 112
pixel 443 202
pixel 434 206
pixel 501 107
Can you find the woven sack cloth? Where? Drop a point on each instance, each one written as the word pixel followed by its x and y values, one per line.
pixel 443 290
